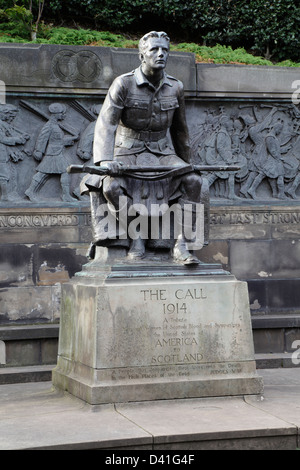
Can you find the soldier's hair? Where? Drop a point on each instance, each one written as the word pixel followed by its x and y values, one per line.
pixel 152 34
pixel 57 108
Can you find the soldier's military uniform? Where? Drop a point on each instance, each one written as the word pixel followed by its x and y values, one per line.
pixel 141 115
pixel 140 124
pixel 9 139
pixel 49 150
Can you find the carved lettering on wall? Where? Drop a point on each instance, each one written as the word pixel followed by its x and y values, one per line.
pixel 255 218
pixel 238 217
pixel 39 220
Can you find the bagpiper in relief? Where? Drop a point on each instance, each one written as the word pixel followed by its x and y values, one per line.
pixel 10 137
pixel 49 150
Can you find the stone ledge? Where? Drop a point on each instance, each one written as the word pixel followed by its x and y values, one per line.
pixel 10 333
pixel 275 361
pixel 275 321
pixel 13 375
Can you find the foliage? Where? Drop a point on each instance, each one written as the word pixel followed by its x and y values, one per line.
pixel 221 54
pixel 81 37
pixel 218 54
pixel 269 29
pixel 24 16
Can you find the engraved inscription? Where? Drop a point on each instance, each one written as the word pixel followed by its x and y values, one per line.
pixel 23 221
pixel 255 218
pixel 176 340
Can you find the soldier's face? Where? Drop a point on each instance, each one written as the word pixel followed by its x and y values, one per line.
pixel 156 54
pixel 61 116
pixel 10 116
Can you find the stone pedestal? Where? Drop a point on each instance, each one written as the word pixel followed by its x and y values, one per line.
pixel 152 332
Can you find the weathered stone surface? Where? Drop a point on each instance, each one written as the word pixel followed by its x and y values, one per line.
pixel 33 225
pixel 23 345
pixel 38 75
pixel 30 304
pixel 55 67
pixel 255 244
pixel 82 69
pixel 39 249
pixel 255 81
pixel 147 339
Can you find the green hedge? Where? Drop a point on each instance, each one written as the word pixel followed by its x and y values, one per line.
pixel 269 28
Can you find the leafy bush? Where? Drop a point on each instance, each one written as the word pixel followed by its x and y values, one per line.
pixel 25 15
pixel 268 27
pixel 221 54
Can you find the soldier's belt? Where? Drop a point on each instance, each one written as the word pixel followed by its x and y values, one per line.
pixel 146 136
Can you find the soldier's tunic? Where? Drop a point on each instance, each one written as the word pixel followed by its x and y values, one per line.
pixel 143 125
pixel 133 125
pixel 141 115
pixel 51 143
pixel 7 139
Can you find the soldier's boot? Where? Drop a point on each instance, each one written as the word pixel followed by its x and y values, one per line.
pixel 187 235
pixel 66 196
pixel 292 190
pixel 245 186
pixel 281 189
pixel 31 192
pixel 4 192
pixel 65 186
pixel 137 249
pixel 254 186
pixel 231 181
pixel 181 252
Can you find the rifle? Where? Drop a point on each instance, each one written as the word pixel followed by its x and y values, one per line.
pixel 33 109
pixel 135 171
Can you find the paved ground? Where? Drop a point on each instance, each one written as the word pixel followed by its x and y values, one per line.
pixel 35 416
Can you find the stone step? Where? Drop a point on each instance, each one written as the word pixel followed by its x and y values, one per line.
pixel 275 361
pixel 13 375
pixel 36 416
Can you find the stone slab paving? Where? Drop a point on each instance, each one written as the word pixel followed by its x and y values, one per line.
pixel 36 416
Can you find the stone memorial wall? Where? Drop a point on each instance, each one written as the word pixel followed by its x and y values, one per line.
pixel 236 114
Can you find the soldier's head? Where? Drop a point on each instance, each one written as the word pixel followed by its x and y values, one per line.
pixel 154 50
pixel 278 126
pixel 8 112
pixel 58 111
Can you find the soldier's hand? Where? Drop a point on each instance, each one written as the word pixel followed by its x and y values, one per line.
pixel 114 168
pixel 37 155
pixel 20 140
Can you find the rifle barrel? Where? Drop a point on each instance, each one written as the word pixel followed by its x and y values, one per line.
pixel 102 170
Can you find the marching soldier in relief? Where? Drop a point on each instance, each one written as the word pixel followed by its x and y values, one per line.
pixel 49 151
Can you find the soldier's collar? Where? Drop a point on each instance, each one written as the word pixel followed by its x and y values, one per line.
pixel 141 79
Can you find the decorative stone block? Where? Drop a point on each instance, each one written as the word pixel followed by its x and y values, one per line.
pixel 146 337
